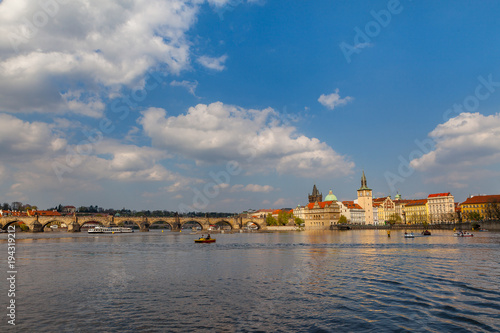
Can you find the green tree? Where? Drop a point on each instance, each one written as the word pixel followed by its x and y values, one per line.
pixel 270 220
pixel 284 217
pixel 299 221
pixel 473 216
pixel 394 218
pixel 342 219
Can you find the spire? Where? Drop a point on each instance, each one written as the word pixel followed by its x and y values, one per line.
pixel 315 196
pixel 363 180
pixel 364 185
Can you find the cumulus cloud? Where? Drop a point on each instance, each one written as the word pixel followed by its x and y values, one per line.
pixel 216 64
pixel 48 54
pixel 333 100
pixel 22 141
pixel 255 138
pixel 463 145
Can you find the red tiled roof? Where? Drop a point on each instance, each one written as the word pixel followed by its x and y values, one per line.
pixel 417 202
pixel 439 195
pixel 321 204
pixel 482 199
pixel 47 213
pixel 351 205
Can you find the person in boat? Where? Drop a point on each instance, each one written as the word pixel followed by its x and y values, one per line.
pixel 208 236
pixel 201 237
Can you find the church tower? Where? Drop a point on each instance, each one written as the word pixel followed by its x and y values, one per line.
pixel 365 199
pixel 315 196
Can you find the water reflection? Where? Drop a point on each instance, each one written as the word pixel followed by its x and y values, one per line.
pixel 307 281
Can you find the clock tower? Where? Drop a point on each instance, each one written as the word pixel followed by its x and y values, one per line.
pixel 365 200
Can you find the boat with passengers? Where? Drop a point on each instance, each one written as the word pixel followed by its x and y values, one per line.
pixel 110 230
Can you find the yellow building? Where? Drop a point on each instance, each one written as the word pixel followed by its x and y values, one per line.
pixel 482 204
pixel 416 212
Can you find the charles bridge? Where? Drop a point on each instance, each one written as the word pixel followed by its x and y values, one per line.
pixel 75 223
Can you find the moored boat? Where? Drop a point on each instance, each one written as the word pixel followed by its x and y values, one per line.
pixel 109 230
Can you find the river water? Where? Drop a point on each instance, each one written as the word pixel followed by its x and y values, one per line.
pixel 335 281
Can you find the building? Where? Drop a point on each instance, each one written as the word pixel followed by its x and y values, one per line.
pixel 69 209
pixel 355 213
pixel 365 200
pixel 416 212
pixel 488 206
pixel 315 196
pixel 319 215
pixel 441 207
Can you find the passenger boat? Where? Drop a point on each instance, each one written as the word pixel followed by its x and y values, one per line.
pixel 109 230
pixel 463 234
pixel 205 240
pixel 409 235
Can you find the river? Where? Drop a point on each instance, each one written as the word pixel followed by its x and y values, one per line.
pixel 334 281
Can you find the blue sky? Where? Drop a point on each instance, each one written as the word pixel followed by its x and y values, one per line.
pixel 227 105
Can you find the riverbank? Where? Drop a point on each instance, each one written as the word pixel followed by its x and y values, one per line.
pixel 486 225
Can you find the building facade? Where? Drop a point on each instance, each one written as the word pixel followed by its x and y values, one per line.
pixel 487 206
pixel 441 207
pixel 416 212
pixel 319 215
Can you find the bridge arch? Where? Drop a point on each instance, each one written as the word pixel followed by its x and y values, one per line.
pixel 223 224
pixel 14 221
pixel 90 223
pixel 192 223
pixel 46 223
pixel 253 225
pixel 164 222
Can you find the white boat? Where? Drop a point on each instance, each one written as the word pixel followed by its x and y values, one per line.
pixel 409 235
pixel 109 230
pixel 463 234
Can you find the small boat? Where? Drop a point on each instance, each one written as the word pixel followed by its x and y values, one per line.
pixel 463 234
pixel 205 240
pixel 426 233
pixel 109 230
pixel 409 235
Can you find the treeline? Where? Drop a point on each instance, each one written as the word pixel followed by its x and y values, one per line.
pixel 84 210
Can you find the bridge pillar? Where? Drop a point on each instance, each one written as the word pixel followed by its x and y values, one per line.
pixel 144 227
pixel 36 227
pixel 74 227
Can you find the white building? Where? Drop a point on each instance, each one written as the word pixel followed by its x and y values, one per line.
pixel 441 207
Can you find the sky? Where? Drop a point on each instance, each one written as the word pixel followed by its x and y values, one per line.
pixel 229 105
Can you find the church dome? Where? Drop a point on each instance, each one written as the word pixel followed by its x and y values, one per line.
pixel 330 196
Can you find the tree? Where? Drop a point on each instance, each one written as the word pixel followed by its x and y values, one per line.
pixel 299 221
pixel 394 218
pixel 284 217
pixel 342 219
pixel 270 220
pixel 473 216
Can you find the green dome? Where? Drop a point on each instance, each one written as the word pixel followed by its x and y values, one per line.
pixel 330 196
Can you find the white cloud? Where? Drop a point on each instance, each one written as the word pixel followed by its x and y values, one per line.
pixel 252 188
pixel 22 141
pixel 333 100
pixel 190 86
pixel 99 46
pixel 255 138
pixel 216 64
pixel 464 147
pixel 280 202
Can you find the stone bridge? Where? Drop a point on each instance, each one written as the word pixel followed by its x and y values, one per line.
pixel 75 223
